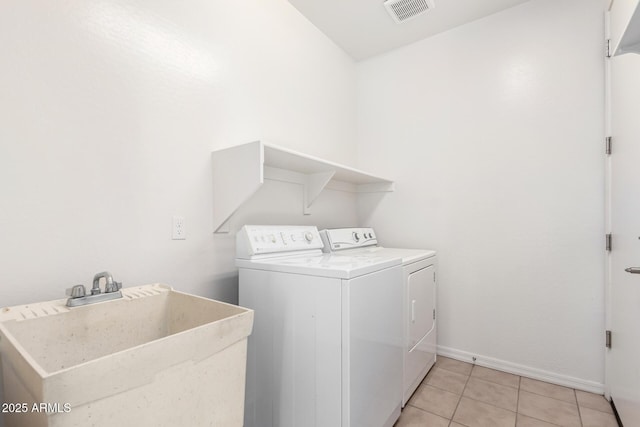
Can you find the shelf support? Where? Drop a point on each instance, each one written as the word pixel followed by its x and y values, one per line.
pixel 630 40
pixel 315 183
pixel 237 175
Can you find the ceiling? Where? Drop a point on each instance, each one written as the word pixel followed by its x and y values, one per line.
pixel 363 28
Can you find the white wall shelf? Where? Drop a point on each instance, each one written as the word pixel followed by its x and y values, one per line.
pixel 239 171
pixel 630 39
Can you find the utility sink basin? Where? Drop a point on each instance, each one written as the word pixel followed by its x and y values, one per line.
pixel 155 357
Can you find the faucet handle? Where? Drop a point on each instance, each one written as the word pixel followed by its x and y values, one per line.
pixel 112 287
pixel 78 291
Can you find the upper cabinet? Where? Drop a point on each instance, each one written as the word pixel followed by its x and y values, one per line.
pixel 625 26
pixel 239 171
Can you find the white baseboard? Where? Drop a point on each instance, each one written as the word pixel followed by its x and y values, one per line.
pixel 522 370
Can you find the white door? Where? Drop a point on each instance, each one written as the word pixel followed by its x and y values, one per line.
pixel 623 359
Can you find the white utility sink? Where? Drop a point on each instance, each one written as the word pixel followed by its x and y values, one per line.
pixel 155 357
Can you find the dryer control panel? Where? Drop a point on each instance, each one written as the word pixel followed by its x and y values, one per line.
pixel 255 240
pixel 338 239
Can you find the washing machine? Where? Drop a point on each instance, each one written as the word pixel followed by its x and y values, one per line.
pixel 326 347
pixel 419 297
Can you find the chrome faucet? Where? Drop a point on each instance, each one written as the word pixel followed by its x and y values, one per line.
pixel 78 294
pixel 95 289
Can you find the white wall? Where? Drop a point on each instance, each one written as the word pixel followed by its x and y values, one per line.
pixel 494 133
pixel 108 113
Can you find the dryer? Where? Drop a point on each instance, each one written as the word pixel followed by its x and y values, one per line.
pixel 419 297
pixel 326 348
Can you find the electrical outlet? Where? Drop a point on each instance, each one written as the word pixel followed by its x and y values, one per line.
pixel 178 231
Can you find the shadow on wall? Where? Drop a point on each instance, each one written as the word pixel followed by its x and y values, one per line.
pixel 225 284
pixel 367 204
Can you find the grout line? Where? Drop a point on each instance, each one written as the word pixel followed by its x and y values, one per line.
pixel 455 372
pixel 495 382
pixel 460 399
pixel 538 419
pixel 518 405
pixel 518 399
pixel 594 409
pixel 578 406
pixel 550 397
pixel 591 408
pixel 558 400
pixel 491 404
pixel 457 422
pixel 518 390
pixel 433 413
pixel 429 412
pixel 444 389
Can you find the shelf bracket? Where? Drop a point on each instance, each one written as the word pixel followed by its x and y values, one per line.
pixel 238 173
pixel 630 40
pixel 315 183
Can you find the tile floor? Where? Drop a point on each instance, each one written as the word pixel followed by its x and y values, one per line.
pixel 459 394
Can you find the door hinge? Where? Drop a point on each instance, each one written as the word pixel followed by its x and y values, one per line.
pixel 434 314
pixel 607 144
pixel 607 340
pixel 608 242
pixel 434 276
pixel 607 48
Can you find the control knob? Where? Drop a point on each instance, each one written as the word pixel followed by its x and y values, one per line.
pixel 356 237
pixel 308 236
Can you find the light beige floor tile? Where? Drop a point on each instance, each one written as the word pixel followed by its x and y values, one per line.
pixel 447 380
pixel 492 393
pixel 414 417
pixel 547 389
pixel 593 401
pixel 435 400
pixel 453 365
pixel 473 413
pixel 494 376
pixel 455 425
pixel 594 418
pixel 547 409
pixel 524 421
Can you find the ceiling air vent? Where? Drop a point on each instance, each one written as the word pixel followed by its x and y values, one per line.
pixel 403 10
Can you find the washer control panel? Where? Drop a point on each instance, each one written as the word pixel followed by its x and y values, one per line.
pixel 254 240
pixel 337 239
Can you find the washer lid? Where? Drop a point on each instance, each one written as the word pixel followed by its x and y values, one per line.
pixel 324 265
